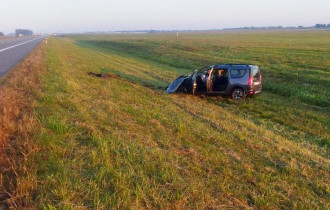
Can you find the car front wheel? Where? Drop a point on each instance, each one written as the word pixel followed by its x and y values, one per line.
pixel 238 94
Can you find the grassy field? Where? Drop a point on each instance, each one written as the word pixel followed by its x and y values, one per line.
pixel 124 143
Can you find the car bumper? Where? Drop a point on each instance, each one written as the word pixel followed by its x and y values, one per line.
pixel 256 92
pixel 253 91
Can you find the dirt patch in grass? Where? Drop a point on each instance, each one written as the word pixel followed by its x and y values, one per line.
pixel 104 76
pixel 18 89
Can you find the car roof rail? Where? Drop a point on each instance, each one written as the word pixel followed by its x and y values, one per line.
pixel 233 64
pixel 237 64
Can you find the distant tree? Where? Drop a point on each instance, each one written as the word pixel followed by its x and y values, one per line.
pixel 328 25
pixel 23 32
pixel 1 34
pixel 320 25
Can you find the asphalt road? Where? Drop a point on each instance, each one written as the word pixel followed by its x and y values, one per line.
pixel 12 51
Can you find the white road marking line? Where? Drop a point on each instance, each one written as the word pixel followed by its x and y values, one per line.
pixel 19 44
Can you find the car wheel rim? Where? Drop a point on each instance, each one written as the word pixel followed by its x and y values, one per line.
pixel 238 95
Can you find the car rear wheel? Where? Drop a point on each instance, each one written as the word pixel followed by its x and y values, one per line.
pixel 238 94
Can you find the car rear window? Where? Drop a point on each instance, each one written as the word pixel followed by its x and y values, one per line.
pixel 237 73
pixel 255 73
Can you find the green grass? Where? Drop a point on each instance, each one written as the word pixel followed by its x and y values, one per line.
pixel 295 71
pixel 283 56
pixel 124 143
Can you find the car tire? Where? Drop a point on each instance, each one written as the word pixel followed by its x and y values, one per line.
pixel 238 94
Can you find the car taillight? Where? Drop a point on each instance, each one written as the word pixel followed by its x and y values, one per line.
pixel 260 79
pixel 250 82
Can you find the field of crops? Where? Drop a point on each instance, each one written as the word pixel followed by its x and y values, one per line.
pixel 124 143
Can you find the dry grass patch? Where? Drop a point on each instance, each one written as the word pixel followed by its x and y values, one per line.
pixel 17 97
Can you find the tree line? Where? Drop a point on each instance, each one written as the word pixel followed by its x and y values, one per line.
pixel 23 32
pixel 322 25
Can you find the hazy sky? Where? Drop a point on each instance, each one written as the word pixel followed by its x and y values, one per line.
pixel 110 15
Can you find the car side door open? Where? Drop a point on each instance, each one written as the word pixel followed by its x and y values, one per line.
pixel 199 79
pixel 193 81
pixel 209 81
pixel 220 80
